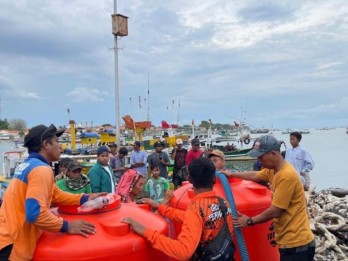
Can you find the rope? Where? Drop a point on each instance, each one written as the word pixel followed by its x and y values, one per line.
pixel 238 231
pixel 329 218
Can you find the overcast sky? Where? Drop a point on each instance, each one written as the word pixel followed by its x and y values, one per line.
pixel 283 62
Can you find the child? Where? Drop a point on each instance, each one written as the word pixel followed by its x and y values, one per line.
pixel 156 186
pixel 206 223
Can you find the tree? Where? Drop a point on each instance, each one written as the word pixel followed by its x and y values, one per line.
pixel 18 125
pixel 4 125
pixel 204 124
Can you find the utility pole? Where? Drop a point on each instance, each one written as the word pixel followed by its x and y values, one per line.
pixel 119 28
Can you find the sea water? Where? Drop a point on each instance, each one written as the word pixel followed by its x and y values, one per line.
pixel 329 149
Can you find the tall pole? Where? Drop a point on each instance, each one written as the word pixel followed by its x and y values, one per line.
pixel 117 88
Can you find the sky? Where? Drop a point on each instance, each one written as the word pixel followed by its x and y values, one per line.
pixel 274 64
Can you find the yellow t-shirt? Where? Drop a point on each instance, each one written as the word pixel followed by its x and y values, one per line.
pixel 292 228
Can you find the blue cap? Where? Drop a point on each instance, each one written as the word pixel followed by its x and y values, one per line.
pixel 102 149
pixel 264 144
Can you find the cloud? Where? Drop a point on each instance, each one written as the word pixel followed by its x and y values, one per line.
pixel 233 29
pixel 83 94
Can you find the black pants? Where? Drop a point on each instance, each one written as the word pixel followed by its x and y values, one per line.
pixel 302 253
pixel 177 179
pixel 5 253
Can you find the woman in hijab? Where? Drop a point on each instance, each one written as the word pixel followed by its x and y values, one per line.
pixel 130 186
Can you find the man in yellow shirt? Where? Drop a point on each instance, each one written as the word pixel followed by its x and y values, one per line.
pixel 288 209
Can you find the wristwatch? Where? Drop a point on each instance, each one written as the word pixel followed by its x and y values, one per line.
pixel 250 221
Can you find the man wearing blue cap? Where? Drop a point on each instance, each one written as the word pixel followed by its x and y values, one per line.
pixel 289 207
pixel 101 174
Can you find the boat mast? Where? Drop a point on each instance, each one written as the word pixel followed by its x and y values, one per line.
pixel 178 119
pixel 148 96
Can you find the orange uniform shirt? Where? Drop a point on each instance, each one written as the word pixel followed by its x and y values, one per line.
pixel 25 211
pixel 193 230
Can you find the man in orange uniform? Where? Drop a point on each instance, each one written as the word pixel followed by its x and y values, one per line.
pixel 202 222
pixel 25 211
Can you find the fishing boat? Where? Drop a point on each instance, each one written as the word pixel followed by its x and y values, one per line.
pixel 287 131
pixel 11 159
pixel 304 131
pixel 259 131
pixel 4 136
pixel 237 154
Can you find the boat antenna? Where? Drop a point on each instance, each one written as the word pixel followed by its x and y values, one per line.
pixel 178 119
pixel 148 96
pixel 68 110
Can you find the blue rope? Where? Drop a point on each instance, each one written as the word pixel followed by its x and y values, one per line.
pixel 238 231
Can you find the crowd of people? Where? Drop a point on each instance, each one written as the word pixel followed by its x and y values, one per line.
pixel 34 188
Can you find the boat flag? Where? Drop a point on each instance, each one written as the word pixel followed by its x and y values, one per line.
pixel 236 124
pixel 193 122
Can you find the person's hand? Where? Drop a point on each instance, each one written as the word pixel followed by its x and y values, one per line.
pixel 151 202
pixel 226 172
pixel 168 196
pixel 240 221
pixel 81 227
pixel 96 195
pixel 136 226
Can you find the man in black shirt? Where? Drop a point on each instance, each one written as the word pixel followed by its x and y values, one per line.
pixel 179 170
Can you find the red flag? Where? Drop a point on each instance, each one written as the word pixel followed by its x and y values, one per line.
pixel 236 124
pixel 165 125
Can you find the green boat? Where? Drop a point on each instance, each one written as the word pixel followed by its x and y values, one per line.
pixel 237 153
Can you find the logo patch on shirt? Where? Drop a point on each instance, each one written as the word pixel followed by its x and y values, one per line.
pixel 21 167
